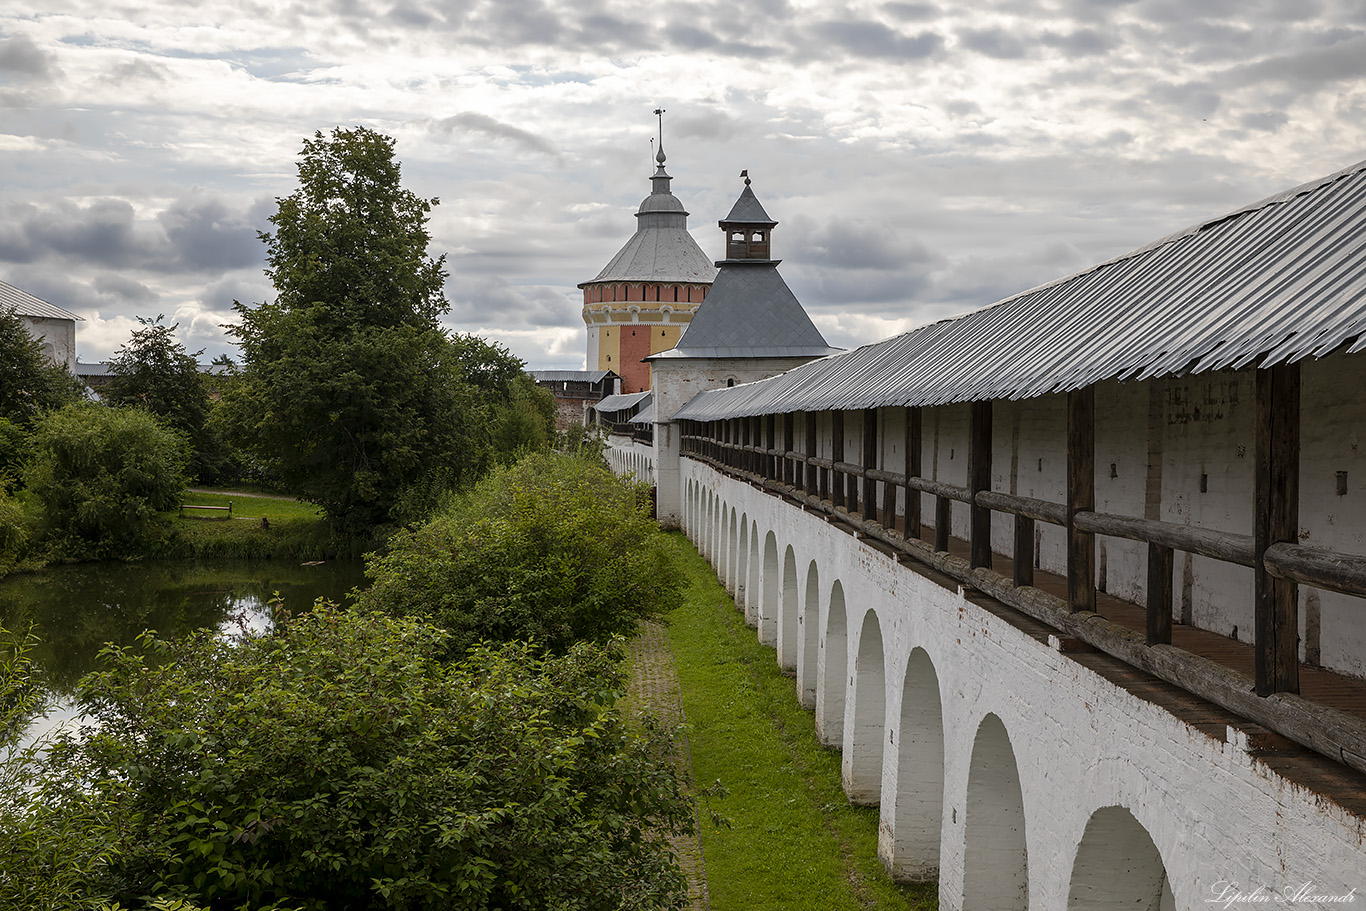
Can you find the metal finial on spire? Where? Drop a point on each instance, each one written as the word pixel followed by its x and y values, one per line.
pixel 745 175
pixel 659 112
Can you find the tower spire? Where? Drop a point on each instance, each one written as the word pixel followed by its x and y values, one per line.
pixel 659 112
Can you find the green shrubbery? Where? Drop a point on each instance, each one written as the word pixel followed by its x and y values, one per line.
pixel 338 763
pixel 101 475
pixel 553 549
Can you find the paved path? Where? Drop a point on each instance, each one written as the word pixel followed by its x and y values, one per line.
pixel 654 686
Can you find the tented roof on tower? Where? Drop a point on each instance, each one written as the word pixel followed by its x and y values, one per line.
pixel 748 211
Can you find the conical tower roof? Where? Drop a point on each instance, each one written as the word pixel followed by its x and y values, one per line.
pixel 661 250
pixel 750 311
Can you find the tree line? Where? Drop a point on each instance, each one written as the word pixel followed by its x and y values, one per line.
pixel 451 738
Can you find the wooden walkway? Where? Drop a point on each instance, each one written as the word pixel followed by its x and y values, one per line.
pixel 1338 691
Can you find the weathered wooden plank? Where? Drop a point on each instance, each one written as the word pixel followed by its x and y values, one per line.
pixel 868 496
pixel 812 473
pixel 1326 569
pixel 1040 510
pixel 1024 549
pixel 837 455
pixel 911 519
pixel 979 479
pixel 940 489
pixel 1081 497
pixel 1276 521
pixel 1221 545
pixel 1159 595
pixel 943 518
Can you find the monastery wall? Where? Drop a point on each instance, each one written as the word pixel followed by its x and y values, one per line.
pixel 1022 772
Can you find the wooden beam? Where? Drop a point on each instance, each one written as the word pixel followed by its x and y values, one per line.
pixel 943 520
pixel 813 486
pixel 911 520
pixel 979 479
pixel 1159 595
pixel 1024 551
pixel 1081 497
pixel 868 498
pixel 789 420
pixel 1277 520
pixel 837 455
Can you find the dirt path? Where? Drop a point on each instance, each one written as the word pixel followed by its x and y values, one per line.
pixel 654 685
pixel 241 493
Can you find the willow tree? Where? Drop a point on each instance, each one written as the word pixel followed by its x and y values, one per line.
pixel 349 389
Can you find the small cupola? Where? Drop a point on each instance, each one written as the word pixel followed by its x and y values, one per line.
pixel 747 228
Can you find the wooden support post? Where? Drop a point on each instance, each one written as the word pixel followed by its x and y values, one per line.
pixel 979 479
pixel 1024 550
pixel 943 518
pixel 836 455
pixel 770 461
pixel 1277 511
pixel 1159 594
pixel 868 498
pixel 1081 497
pixel 911 520
pixel 813 486
pixel 788 439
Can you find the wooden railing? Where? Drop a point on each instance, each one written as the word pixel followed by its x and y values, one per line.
pixel 865 498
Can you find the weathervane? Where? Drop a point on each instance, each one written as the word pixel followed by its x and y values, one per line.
pixel 745 175
pixel 659 112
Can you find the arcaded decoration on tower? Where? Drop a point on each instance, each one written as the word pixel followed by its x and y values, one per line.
pixel 643 299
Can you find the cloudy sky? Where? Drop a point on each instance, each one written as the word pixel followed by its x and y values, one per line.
pixel 922 158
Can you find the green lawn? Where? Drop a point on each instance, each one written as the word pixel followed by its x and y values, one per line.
pixel 793 840
pixel 251 507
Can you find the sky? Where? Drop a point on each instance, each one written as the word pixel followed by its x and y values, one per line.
pixel 922 159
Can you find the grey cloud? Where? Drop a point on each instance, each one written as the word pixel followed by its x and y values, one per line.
pixel 124 288
pixel 856 244
pixel 195 233
pixel 22 57
pixel 478 300
pixel 140 70
pixel 471 122
pixel 1266 121
pixel 873 39
pixel 913 12
pixel 1082 42
pixel 1195 99
pixel 1310 68
pixel 207 236
pixel 994 42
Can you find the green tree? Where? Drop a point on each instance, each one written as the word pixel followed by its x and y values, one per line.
pixel 153 371
pixel 101 475
pixel 337 763
pixel 29 385
pixel 553 549
pixel 349 390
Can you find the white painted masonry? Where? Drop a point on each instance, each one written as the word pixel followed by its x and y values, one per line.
pixel 1056 786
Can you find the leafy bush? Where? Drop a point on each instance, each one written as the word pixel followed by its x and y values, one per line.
pixel 553 549
pixel 101 475
pixel 29 385
pixel 337 763
pixel 52 840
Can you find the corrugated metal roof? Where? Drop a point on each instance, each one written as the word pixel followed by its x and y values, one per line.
pixel 26 304
pixel 646 415
pixel 749 312
pixel 621 401
pixel 569 376
pixel 1274 282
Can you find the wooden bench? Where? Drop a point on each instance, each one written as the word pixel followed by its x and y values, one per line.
pixel 226 510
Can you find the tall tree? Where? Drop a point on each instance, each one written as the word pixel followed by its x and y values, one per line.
pixel 349 389
pixel 29 385
pixel 152 370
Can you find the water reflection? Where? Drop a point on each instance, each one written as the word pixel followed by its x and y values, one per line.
pixel 75 610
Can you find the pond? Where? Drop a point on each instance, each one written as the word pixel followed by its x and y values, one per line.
pixel 76 610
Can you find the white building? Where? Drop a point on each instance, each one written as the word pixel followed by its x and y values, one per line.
pixel 53 327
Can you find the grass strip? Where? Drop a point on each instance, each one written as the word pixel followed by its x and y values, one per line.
pixel 793 840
